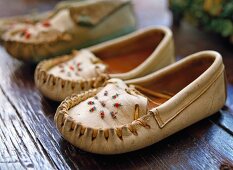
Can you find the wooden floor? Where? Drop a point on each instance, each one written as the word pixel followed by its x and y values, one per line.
pixel 29 139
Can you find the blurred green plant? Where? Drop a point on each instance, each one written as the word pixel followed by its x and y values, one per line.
pixel 211 15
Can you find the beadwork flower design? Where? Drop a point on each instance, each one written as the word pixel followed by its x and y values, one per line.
pixel 114 110
pixel 114 106
pixel 80 67
pixel 27 32
pixel 70 69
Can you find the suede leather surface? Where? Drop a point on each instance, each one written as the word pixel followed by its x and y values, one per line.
pixel 161 53
pixel 194 99
pixel 55 42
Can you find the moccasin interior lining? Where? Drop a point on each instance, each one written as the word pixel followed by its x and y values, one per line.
pixel 175 80
pixel 125 56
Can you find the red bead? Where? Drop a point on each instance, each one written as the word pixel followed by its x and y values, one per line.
pixel 92 109
pixel 46 24
pixel 90 103
pixel 102 114
pixel 72 68
pixel 27 35
pixel 115 96
pixel 117 105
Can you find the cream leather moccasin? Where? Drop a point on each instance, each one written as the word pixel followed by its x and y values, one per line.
pixel 126 116
pixel 8 23
pixel 81 24
pixel 128 57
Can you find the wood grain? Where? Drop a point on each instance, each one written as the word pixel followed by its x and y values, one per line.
pixel 29 138
pixel 17 147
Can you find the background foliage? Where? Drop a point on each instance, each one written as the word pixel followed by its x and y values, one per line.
pixel 211 15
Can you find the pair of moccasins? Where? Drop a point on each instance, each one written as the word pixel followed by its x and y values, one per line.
pixel 126 94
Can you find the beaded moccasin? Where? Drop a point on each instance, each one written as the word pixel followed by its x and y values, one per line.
pixel 128 57
pixel 8 23
pixel 80 24
pixel 125 116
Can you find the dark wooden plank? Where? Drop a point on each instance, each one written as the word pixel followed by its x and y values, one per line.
pixel 186 150
pixel 226 118
pixel 27 102
pixel 17 148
